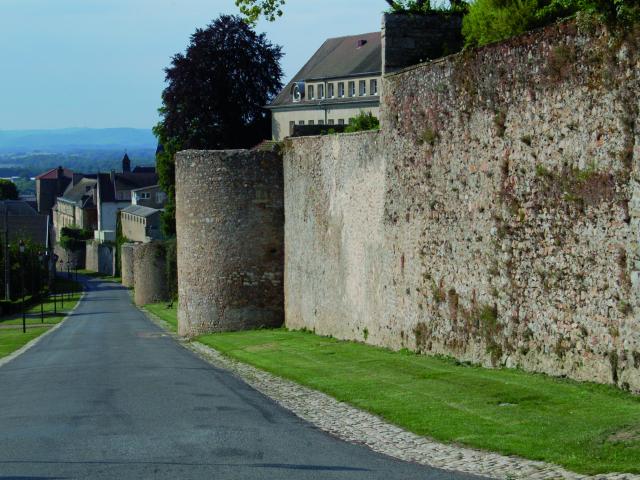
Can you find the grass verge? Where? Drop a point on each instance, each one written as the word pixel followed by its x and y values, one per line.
pixel 169 315
pixel 11 339
pixel 586 428
pixel 101 276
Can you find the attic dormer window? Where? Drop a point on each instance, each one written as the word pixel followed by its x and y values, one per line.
pixel 361 43
pixel 297 92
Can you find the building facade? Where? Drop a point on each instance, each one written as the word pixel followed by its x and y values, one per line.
pixel 341 80
pixel 152 197
pixel 141 224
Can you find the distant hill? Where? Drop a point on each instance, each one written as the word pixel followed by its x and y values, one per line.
pixel 69 139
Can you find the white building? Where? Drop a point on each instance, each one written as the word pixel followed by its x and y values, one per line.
pixel 339 81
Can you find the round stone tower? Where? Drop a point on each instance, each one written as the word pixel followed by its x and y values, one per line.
pixel 150 281
pixel 230 232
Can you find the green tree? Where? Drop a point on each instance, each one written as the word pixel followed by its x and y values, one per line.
pixel 363 122
pixel 8 190
pixel 272 9
pixel 215 97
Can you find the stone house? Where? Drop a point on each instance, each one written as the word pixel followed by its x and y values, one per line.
pixel 152 197
pixel 141 224
pixel 339 81
pixel 49 186
pixel 77 206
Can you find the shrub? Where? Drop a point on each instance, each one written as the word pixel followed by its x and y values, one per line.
pixel 493 20
pixel 73 239
pixel 363 122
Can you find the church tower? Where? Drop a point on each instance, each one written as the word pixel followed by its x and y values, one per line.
pixel 126 164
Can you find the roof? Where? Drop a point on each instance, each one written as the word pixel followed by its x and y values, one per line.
pixel 53 174
pixel 81 193
pixel 339 58
pixel 16 207
pixel 144 169
pixel 133 180
pixel 140 211
pixel 24 222
pixel 145 188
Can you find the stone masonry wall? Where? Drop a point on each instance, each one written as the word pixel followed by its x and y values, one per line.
pixel 127 264
pixel 229 217
pixel 100 258
pixel 92 261
pixel 495 218
pixel 150 281
pixel 411 39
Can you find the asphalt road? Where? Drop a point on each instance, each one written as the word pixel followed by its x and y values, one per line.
pixel 107 395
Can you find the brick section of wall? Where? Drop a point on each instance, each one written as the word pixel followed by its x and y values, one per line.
pixel 504 227
pixel 127 264
pixel 411 39
pixel 229 216
pixel 150 280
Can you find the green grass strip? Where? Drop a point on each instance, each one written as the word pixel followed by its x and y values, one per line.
pixel 169 315
pixel 584 427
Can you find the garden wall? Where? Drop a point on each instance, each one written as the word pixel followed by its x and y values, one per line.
pixel 494 218
pixel 229 222
pixel 127 264
pixel 100 258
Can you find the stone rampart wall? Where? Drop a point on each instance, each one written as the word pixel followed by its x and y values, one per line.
pixel 127 264
pixel 75 258
pixel 150 280
pixel 229 216
pixel 100 258
pixel 494 218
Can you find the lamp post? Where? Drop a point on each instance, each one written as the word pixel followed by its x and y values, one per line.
pixel 24 311
pixel 40 260
pixel 62 296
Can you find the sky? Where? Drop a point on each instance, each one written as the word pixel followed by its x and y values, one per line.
pixel 100 63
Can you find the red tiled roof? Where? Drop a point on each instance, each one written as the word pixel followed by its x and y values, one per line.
pixel 53 174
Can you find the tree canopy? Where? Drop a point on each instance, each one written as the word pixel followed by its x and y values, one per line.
pixel 272 9
pixel 8 190
pixel 215 96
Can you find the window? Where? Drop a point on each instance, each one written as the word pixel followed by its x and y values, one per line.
pixel 291 125
pixel 330 122
pixel 352 89
pixel 362 88
pixel 312 122
pixel 320 122
pixel 311 92
pixel 340 121
pixel 301 122
pixel 340 89
pixel 373 87
pixel 160 197
pixel 145 196
pixel 330 93
pixel 351 120
pixel 320 91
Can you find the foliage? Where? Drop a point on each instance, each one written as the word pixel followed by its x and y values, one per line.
pixel 73 239
pixel 171 266
pixel 8 190
pixel 493 20
pixel 362 122
pixel 584 427
pixel 215 97
pixel 252 10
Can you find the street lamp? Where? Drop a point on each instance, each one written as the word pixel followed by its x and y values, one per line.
pixel 40 260
pixel 24 311
pixel 62 296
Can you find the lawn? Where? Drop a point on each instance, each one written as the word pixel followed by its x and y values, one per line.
pixel 169 315
pixel 13 339
pixel 587 428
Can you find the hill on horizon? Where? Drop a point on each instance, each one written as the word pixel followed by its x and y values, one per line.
pixel 65 139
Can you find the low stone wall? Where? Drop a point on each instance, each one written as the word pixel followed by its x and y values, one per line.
pixel 150 282
pixel 127 264
pixel 100 258
pixel 75 258
pixel 495 218
pixel 229 217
